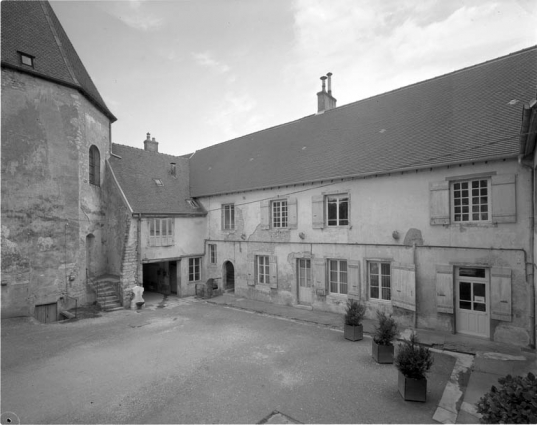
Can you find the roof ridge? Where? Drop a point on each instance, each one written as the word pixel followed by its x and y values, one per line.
pixel 149 152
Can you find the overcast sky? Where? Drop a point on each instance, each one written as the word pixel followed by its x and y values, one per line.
pixel 194 73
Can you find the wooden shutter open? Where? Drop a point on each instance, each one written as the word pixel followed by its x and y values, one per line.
pixel 353 274
pixel 317 211
pixel 500 294
pixel 319 278
pixel 403 286
pixel 292 218
pixel 444 288
pixel 503 198
pixel 250 269
pixel 439 203
pixel 273 271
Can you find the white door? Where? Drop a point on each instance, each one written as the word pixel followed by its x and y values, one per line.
pixel 304 281
pixel 472 310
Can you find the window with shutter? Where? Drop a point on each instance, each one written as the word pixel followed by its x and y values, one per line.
pixel 404 286
pixel 500 284
pixel 439 203
pixel 353 267
pixel 320 276
pixel 228 217
pixel 444 288
pixel 504 198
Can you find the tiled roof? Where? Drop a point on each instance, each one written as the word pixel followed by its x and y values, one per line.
pixel 32 27
pixel 136 172
pixel 468 115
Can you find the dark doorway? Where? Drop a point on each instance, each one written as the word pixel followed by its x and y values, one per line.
pixel 229 277
pixel 90 246
pixel 173 277
pixel 46 313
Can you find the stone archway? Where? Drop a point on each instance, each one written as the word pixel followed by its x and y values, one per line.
pixel 229 276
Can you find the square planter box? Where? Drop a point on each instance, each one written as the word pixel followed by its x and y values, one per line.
pixel 382 353
pixel 353 333
pixel 412 389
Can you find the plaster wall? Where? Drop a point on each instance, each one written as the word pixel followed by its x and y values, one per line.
pixel 48 206
pixel 379 206
pixel 189 233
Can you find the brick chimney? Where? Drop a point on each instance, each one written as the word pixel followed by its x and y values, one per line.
pixel 325 100
pixel 150 144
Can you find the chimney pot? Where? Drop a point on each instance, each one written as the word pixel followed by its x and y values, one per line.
pixel 148 136
pixel 150 144
pixel 329 82
pixel 323 78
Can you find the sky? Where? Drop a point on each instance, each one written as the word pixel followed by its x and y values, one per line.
pixel 195 73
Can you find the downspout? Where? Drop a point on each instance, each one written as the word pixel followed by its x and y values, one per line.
pixel 414 259
pixel 530 262
pixel 139 248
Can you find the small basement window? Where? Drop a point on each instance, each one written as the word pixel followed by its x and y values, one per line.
pixel 26 59
pixel 192 203
pixel 158 182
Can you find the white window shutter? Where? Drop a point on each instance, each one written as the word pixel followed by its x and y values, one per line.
pixel 444 288
pixel 353 270
pixel 292 219
pixel 250 270
pixel 503 198
pixel 403 286
pixel 439 203
pixel 265 215
pixel 317 211
pixel 273 271
pixel 500 297
pixel 319 276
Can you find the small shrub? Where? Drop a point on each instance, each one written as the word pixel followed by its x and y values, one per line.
pixel 386 330
pixel 515 401
pixel 355 313
pixel 413 360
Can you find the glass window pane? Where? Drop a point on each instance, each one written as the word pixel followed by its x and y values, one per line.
pixel 465 305
pixel 385 268
pixel 465 291
pixel 374 268
pixel 374 292
pixel 479 291
pixel 343 288
pixel 472 272
pixel 480 307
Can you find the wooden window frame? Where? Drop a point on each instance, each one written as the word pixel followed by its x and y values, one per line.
pixel 338 197
pixel 380 287
pixel 339 274
pixel 228 217
pixel 194 269
pixel 455 187
pixel 304 273
pixel 157 228
pixel 279 210
pixel 262 269
pixel 212 253
pixel 94 166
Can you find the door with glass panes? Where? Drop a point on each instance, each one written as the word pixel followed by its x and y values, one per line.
pixel 472 298
pixel 304 281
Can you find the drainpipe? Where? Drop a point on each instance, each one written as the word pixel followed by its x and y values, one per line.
pixel 414 259
pixel 139 247
pixel 531 261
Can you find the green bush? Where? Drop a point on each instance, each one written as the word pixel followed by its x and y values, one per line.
pixel 355 313
pixel 386 331
pixel 515 401
pixel 413 360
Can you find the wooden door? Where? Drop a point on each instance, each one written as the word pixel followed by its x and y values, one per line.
pixel 46 313
pixel 304 281
pixel 473 306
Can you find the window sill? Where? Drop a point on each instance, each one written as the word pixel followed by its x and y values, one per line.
pixel 472 224
pixel 377 301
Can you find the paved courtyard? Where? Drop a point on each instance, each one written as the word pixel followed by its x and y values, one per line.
pixel 186 361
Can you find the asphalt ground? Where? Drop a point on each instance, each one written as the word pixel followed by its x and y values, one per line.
pixel 187 361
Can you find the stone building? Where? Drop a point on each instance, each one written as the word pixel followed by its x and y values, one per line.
pixel 419 202
pixel 55 141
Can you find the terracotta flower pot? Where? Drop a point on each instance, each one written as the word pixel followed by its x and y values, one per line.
pixel 412 389
pixel 382 353
pixel 353 333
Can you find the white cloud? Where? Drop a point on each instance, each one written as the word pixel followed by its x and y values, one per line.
pixel 206 59
pixel 141 21
pixel 234 116
pixel 372 47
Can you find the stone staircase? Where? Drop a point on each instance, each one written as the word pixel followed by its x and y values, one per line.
pixel 105 287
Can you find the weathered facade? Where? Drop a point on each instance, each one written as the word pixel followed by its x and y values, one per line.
pixel 55 140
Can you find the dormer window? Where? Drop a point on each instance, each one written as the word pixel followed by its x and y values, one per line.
pixel 158 182
pixel 193 204
pixel 26 59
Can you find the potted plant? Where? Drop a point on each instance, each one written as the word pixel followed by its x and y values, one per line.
pixel 385 332
pixel 413 362
pixel 353 329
